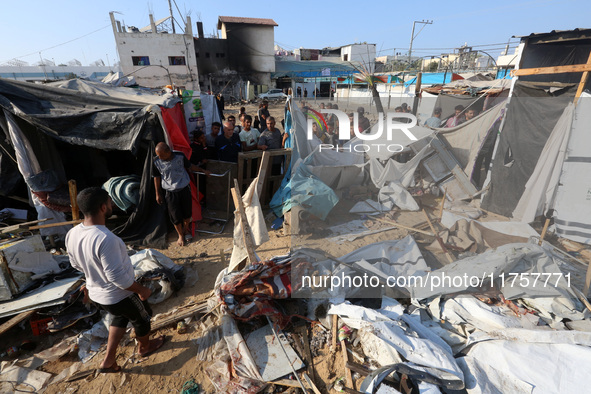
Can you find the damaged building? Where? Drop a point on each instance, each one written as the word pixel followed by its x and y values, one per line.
pixel 156 57
pixel 240 63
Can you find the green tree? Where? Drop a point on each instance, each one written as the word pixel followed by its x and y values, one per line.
pixel 432 67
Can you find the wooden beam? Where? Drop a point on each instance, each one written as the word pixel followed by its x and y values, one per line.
pixel 73 201
pixel 14 321
pixel 264 165
pixel 575 68
pixel 405 227
pixel 246 232
pixel 55 224
pixel 583 81
pixel 19 228
pixel 348 374
pixel 334 330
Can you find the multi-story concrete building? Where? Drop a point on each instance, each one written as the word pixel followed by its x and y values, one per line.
pixel 156 58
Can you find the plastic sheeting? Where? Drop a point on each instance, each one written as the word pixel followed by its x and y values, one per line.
pixel 540 189
pixel 256 221
pixel 78 118
pixel 531 115
pixel 515 367
pixel 423 349
pixel 573 197
pixel 467 139
pixel 124 190
pixel 503 262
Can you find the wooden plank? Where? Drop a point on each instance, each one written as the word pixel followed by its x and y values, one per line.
pixel 583 81
pixel 263 167
pixel 311 383
pixel 308 353
pixel 73 201
pixel 15 320
pixel 442 204
pixel 575 68
pixel 246 232
pixel 19 228
pixel 55 224
pixel 405 227
pixel 348 374
pixel 334 328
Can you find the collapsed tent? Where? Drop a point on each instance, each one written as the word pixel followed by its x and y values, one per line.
pixel 58 134
pixel 540 164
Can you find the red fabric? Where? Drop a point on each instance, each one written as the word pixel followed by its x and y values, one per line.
pixel 456 77
pixel 176 128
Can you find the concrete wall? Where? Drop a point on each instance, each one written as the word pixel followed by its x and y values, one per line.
pixel 251 47
pixel 212 55
pixel 158 47
pixel 49 73
pixel 364 54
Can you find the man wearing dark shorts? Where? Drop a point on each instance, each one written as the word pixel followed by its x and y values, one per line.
pixel 110 280
pixel 170 174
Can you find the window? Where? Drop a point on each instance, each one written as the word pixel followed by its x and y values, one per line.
pixel 220 55
pixel 140 60
pixel 207 54
pixel 176 60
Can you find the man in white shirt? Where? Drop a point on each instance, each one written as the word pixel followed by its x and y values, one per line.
pixel 248 136
pixel 110 280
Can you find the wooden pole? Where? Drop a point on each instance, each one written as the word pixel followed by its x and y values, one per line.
pixel 583 81
pixel 442 204
pixel 451 260
pixel 405 227
pixel 73 202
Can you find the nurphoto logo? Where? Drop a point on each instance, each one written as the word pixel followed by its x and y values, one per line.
pixel 349 129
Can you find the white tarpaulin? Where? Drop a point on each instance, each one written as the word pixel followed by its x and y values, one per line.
pixel 467 139
pixel 573 197
pixel 515 367
pixel 413 341
pixel 256 221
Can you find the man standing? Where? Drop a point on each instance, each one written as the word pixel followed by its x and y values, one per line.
pixel 264 115
pixel 272 139
pixel 228 144
pixel 457 119
pixel 170 174
pixel 110 280
pixel 435 120
pixel 364 124
pixel 248 136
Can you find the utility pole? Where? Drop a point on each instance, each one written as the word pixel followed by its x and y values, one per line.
pixel 171 17
pixel 412 36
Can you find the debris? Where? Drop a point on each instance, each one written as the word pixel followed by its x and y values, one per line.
pixel 269 357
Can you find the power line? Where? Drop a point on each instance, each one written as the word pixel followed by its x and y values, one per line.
pixel 58 45
pixel 449 48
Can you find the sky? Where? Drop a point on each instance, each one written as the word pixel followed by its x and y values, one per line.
pixel 63 30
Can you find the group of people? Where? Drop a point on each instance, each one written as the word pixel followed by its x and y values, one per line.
pixel 228 139
pixel 460 116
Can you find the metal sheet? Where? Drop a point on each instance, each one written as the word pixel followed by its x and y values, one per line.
pixel 268 356
pixel 38 298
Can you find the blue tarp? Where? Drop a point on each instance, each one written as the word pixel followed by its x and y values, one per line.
pixel 300 187
pixel 311 69
pixel 434 79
